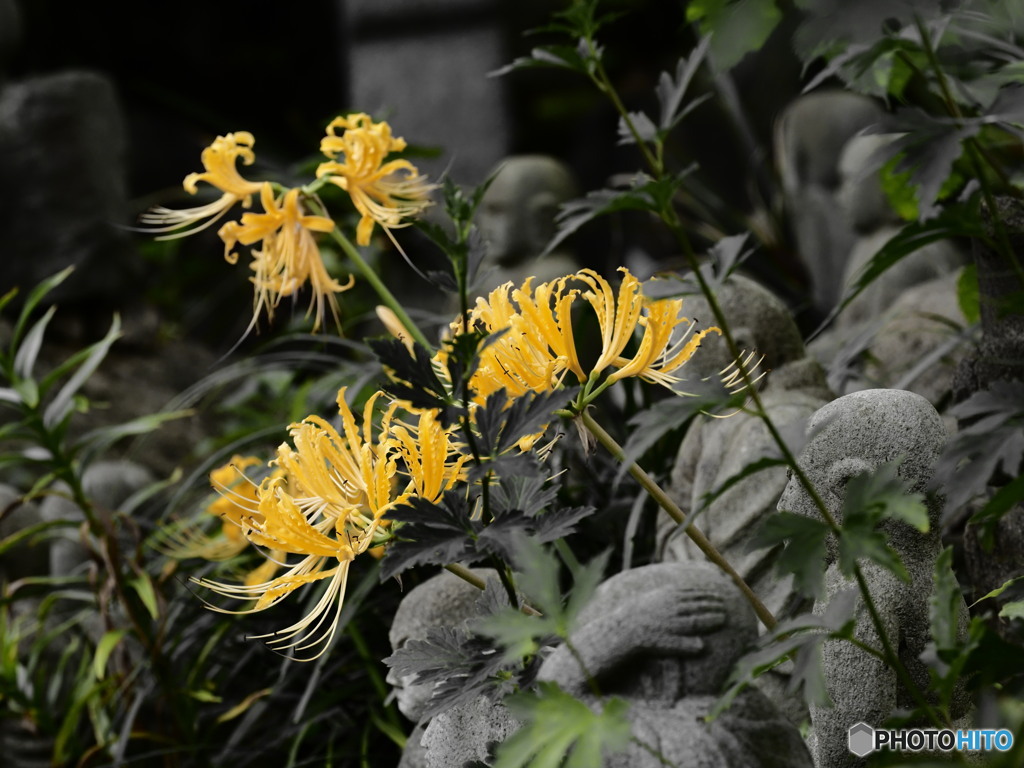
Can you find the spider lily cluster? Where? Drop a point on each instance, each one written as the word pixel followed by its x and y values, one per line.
pixel 328 492
pixel 282 238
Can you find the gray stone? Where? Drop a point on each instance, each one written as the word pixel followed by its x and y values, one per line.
pixel 875 222
pixel 432 85
pixel 444 600
pixel 851 435
pixel 62 144
pixel 918 346
pixel 517 221
pixel 809 137
pixel 665 637
pixel 107 485
pixel 466 732
pixel 894 323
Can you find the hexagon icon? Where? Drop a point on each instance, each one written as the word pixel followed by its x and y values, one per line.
pixel 861 739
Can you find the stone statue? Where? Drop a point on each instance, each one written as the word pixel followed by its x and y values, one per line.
pixel 716 449
pixel 444 600
pixel 517 219
pixel 665 637
pixel 852 435
pixel 905 314
pixel 809 136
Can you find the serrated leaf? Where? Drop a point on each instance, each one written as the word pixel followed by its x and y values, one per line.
pixel 538 572
pixel 575 213
pixel 799 638
pixel 528 415
pixel 560 730
pixel 413 377
pixel 497 537
pixel 672 90
pixel 431 533
pixel 643 126
pixel 870 498
pixel 804 552
pixel 104 648
pixel 992 440
pixel 529 494
pixel 461 665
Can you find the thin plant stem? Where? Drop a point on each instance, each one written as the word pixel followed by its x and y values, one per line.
pixel 667 214
pixel 666 503
pixel 373 279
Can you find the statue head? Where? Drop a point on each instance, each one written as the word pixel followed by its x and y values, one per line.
pixel 689 624
pixel 444 600
pixel 857 433
pixel 758 320
pixel 517 213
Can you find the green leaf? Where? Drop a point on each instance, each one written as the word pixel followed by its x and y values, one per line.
pixel 27 391
pixel 998 590
pixel 61 406
pixel 1013 610
pixel 944 604
pixel 804 552
pixel 33 300
pixel 968 293
pixel 575 213
pixel 144 587
pixel 104 648
pixel 899 191
pixel 672 90
pixel 204 695
pixel 870 498
pixel 736 28
pixel 28 351
pixel 29 532
pixel 953 222
pixel 558 727
pixel 538 577
pixel 461 665
pixel 98 440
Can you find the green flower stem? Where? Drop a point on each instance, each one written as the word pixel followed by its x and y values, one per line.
pixel 382 290
pixel 666 503
pixel 891 656
pixel 371 277
pixel 471 578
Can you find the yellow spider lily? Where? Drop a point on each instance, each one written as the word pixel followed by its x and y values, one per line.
pixel 344 483
pixel 289 257
pixel 219 159
pixel 385 193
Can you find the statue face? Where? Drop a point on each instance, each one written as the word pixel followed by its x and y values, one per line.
pixel 411 697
